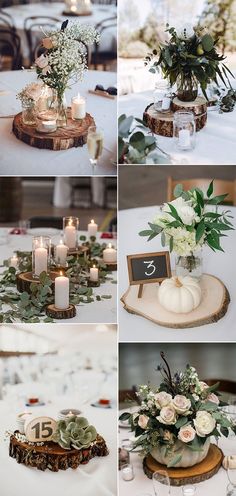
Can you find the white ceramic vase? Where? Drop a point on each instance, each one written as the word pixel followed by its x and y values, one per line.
pixel 188 459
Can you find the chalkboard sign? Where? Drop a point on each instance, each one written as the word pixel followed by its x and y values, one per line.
pixel 149 267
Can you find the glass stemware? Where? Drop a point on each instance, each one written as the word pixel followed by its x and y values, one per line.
pixel 95 144
pixel 161 483
pixel 232 476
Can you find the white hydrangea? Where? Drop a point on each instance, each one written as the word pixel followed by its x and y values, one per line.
pixel 184 242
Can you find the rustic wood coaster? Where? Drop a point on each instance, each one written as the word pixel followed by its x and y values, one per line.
pixel 213 306
pixel 25 279
pixel 57 313
pixel 111 266
pixel 73 135
pixel 51 456
pixel 190 475
pixel 93 284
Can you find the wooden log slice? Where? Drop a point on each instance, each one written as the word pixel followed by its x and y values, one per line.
pixel 191 475
pixel 213 306
pixel 73 135
pixel 161 123
pixel 25 279
pixel 111 266
pixel 56 313
pixel 198 106
pixel 52 457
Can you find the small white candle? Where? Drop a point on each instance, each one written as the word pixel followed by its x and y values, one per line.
pixel 109 254
pixel 92 228
pixel 62 292
pixel 165 103
pixel 49 125
pixel 41 260
pixel 14 261
pixel 94 274
pixel 70 235
pixel 184 138
pixel 78 108
pixel 127 473
pixel 61 253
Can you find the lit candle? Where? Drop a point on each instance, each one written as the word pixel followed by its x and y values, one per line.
pixel 165 105
pixel 78 108
pixel 94 274
pixel 41 260
pixel 49 125
pixel 62 292
pixel 109 254
pixel 127 472
pixel 14 261
pixel 184 138
pixel 70 235
pixel 92 228
pixel 61 253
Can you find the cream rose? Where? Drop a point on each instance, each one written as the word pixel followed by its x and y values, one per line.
pixel 167 415
pixel 42 61
pixel 204 423
pixel 203 385
pixel 162 399
pixel 181 404
pixel 143 421
pixel 186 434
pixel 213 398
pixel 184 210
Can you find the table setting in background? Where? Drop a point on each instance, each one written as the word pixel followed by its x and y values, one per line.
pixel 49 276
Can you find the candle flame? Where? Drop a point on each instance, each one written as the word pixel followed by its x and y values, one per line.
pixel 61 273
pixel 92 221
pixel 109 245
pixel 94 266
pixel 61 242
pixel 70 222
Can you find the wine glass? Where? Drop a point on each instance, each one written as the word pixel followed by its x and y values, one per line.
pixel 161 483
pixel 94 144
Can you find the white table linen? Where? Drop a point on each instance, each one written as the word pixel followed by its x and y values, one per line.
pixel 18 158
pixel 219 264
pixel 99 311
pixel 215 143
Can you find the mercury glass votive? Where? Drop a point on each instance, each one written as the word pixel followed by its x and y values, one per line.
pixel 41 254
pixel 70 231
pixel 184 130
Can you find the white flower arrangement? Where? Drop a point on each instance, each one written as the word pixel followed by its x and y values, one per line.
pixel 30 94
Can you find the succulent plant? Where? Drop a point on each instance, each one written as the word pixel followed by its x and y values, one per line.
pixel 74 432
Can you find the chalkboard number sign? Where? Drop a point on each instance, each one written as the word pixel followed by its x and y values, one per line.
pixel 148 268
pixel 40 429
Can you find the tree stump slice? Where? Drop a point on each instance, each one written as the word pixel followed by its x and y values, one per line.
pixel 191 475
pixel 25 279
pixel 57 313
pixel 52 457
pixel 198 106
pixel 73 135
pixel 213 306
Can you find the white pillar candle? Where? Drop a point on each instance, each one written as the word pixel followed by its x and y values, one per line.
pixel 70 236
pixel 92 228
pixel 62 292
pixel 94 274
pixel 184 138
pixel 78 108
pixel 109 254
pixel 41 260
pixel 14 261
pixel 165 105
pixel 61 253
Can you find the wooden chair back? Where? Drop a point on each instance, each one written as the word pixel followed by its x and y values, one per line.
pixel 221 186
pixel 10 50
pixel 33 32
pixel 225 385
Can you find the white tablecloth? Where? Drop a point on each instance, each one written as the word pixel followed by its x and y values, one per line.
pixel 215 143
pixel 17 158
pixel 98 311
pixel 222 265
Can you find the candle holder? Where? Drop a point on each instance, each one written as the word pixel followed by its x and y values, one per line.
pixel 112 267
pixel 25 279
pixel 78 108
pixel 127 472
pixel 93 284
pixel 70 231
pixel 64 414
pixel 46 121
pixel 184 130
pixel 41 255
pixel 55 313
pixel 60 253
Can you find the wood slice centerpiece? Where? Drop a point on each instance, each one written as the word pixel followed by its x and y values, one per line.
pixel 51 456
pixel 213 306
pixel 162 122
pixel 25 279
pixel 191 475
pixel 73 135
pixel 59 314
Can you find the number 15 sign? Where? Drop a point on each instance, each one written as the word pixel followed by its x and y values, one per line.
pixel 148 268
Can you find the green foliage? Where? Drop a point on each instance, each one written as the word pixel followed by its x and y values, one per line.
pixel 75 432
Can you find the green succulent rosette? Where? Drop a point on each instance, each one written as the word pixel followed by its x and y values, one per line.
pixel 75 432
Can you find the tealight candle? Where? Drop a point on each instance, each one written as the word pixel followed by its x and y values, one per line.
pixel 61 251
pixel 46 121
pixel 92 228
pixel 70 235
pixel 184 138
pixel 109 254
pixel 62 292
pixel 41 260
pixel 94 274
pixel 188 490
pixel 14 261
pixel 127 472
pixel 78 108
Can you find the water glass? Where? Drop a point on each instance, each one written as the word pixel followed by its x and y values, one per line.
pixel 161 483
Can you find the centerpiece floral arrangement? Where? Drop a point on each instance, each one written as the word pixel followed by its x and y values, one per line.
pixel 176 420
pixel 188 223
pixel 189 58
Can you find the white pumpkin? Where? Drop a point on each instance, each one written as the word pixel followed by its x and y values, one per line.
pixel 180 294
pixel 189 458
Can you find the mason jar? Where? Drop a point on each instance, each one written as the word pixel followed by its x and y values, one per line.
pixel 184 130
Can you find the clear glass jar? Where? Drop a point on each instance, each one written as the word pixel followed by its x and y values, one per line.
pixel 190 265
pixel 187 87
pixel 70 231
pixel 61 110
pixel 28 114
pixel 162 96
pixel 41 255
pixel 46 121
pixel 184 130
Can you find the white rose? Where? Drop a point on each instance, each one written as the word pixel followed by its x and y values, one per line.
pixel 42 61
pixel 167 415
pixel 185 32
pixel 162 399
pixel 195 397
pixel 186 434
pixel 143 421
pixel 203 385
pixel 181 404
pixel 204 423
pixel 213 398
pixel 184 210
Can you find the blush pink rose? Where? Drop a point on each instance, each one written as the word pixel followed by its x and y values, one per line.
pixel 47 43
pixel 143 421
pixel 42 61
pixel 162 399
pixel 186 434
pixel 213 398
pixel 167 415
pixel 181 404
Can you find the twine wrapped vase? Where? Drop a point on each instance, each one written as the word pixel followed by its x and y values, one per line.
pixel 188 459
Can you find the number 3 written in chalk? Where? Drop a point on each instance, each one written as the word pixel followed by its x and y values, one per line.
pixel 150 267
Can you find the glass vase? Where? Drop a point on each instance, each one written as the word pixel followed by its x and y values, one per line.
pixel 61 110
pixel 190 265
pixel 187 87
pixel 28 115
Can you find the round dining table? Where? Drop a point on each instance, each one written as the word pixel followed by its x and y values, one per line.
pixel 222 265
pixel 97 312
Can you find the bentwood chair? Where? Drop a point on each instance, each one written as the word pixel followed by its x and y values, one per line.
pixel 104 57
pixel 33 31
pixel 44 221
pixel 10 50
pixel 6 20
pixel 221 187
pixel 225 385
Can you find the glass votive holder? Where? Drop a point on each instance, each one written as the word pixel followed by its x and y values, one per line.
pixel 231 490
pixel 188 490
pixel 78 108
pixel 162 96
pixel 46 121
pixel 184 130
pixel 41 254
pixel 127 472
pixel 70 231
